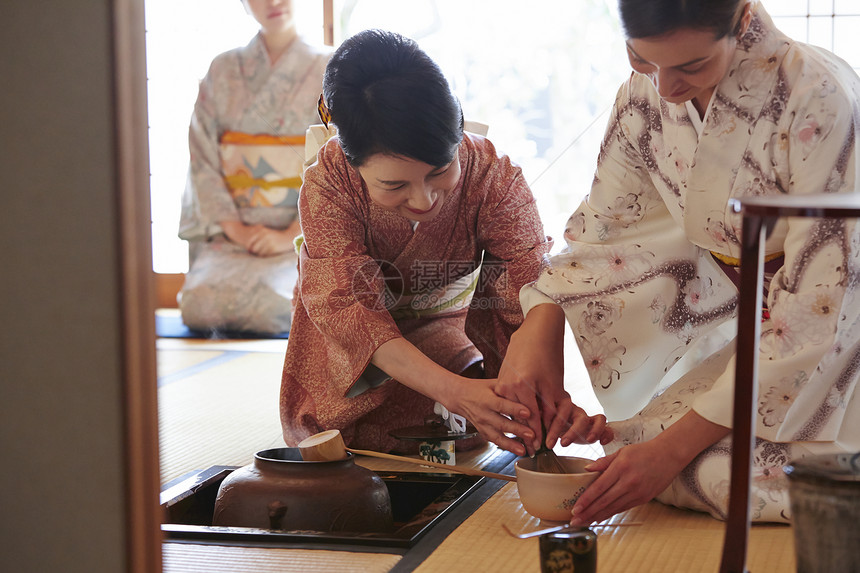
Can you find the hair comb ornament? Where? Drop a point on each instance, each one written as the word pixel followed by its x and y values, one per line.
pixel 322 109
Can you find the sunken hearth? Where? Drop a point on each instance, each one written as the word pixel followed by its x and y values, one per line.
pixel 418 500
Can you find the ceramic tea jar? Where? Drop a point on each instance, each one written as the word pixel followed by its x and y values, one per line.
pixel 282 491
pixel 824 494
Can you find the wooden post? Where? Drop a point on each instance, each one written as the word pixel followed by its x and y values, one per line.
pixel 328 22
pixel 140 408
pixel 759 216
pixel 746 376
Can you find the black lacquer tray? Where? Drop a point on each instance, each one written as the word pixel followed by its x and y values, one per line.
pixel 418 500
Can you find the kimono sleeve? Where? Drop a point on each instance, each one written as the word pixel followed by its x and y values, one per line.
pixel 623 276
pixel 512 236
pixel 206 199
pixel 341 285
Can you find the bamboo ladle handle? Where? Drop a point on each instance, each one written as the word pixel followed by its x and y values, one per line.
pixel 328 445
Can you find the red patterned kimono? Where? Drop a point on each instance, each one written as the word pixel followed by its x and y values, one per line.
pixel 360 263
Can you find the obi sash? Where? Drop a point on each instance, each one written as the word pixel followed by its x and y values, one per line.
pixel 262 170
pixel 455 296
pixel 452 297
pixel 732 268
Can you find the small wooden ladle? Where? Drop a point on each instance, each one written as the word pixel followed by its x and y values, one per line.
pixel 328 445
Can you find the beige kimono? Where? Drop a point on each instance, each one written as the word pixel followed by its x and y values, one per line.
pixel 646 277
pixel 247 153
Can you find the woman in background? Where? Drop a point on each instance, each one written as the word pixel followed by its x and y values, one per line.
pixel 239 212
pixel 417 240
pixel 721 105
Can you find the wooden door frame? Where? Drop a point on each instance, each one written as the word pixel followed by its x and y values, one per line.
pixel 140 397
pixel 328 22
pixel 140 407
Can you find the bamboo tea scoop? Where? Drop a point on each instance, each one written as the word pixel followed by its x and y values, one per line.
pixel 328 445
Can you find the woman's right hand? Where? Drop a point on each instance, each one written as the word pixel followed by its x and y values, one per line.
pixel 532 373
pixel 240 233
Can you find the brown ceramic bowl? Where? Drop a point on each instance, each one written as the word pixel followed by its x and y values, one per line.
pixel 551 496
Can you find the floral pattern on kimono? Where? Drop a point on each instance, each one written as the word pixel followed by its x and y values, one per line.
pixel 654 313
pixel 353 248
pixel 243 92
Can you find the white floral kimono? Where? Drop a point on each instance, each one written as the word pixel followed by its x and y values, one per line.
pixel 653 307
pixel 247 152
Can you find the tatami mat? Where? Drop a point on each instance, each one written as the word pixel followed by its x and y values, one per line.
pixel 667 539
pixel 172 362
pixel 189 558
pixel 216 408
pixel 191 344
pixel 218 405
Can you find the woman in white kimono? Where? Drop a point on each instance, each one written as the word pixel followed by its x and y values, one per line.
pixel 720 105
pixel 239 209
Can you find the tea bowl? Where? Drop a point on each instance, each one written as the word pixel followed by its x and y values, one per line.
pixel 551 496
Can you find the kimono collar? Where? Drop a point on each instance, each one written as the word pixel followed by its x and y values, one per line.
pixel 754 88
pixel 752 79
pixel 295 62
pixel 256 50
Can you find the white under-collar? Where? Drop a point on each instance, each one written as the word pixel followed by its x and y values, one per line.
pixel 699 122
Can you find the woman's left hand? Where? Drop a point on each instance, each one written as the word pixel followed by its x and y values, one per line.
pixel 633 475
pixel 476 399
pixel 494 416
pixel 638 473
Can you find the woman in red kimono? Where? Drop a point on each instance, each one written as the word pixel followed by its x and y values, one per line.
pixel 417 239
